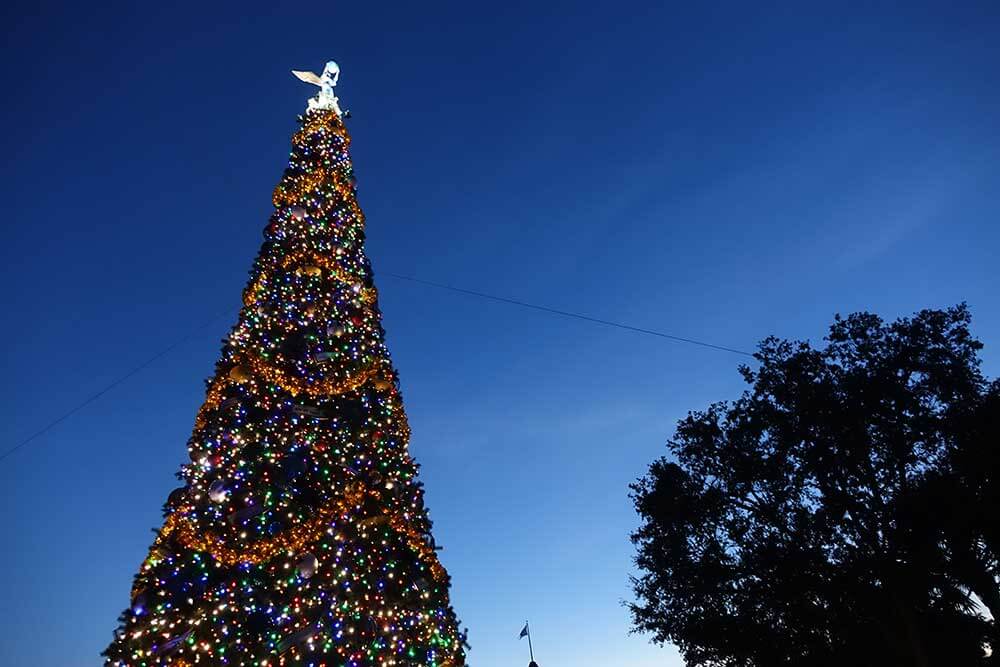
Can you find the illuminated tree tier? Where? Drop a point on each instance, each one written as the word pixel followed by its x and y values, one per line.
pixel 300 535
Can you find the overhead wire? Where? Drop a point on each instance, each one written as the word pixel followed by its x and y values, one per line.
pixel 566 313
pixel 442 286
pixel 114 383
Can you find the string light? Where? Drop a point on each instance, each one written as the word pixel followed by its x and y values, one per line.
pixel 300 535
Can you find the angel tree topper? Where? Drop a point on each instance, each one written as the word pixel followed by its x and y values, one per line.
pixel 326 99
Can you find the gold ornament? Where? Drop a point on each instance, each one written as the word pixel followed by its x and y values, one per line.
pixel 382 383
pixel 239 374
pixel 321 388
pixel 309 270
pixel 177 524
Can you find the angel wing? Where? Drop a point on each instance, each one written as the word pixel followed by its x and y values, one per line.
pixel 308 77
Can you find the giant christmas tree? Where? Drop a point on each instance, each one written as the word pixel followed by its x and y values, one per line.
pixel 300 535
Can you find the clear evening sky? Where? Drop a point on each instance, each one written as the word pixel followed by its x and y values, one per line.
pixel 723 173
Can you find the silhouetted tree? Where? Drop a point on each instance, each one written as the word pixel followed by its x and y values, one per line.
pixel 843 511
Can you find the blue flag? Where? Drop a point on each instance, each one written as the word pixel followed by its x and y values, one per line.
pixel 524 632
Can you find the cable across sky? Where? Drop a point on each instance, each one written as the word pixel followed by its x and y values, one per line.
pixel 419 281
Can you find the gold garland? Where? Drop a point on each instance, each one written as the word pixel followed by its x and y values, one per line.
pixel 291 192
pixel 321 120
pixel 291 188
pixel 286 194
pixel 416 543
pixel 291 541
pixel 317 389
pixel 264 550
pixel 377 374
pixel 213 397
pixel 367 294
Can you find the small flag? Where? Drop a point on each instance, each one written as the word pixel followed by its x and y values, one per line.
pixel 524 632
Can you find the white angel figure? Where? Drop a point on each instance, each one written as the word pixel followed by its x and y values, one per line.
pixel 326 99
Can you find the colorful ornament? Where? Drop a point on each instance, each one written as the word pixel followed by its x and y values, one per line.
pixel 308 411
pixel 309 270
pixel 139 603
pixel 307 566
pixel 296 638
pixel 239 374
pixel 243 515
pixel 170 646
pixel 217 492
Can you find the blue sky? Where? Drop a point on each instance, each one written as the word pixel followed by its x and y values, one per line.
pixel 723 173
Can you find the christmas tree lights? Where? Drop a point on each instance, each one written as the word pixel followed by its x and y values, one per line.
pixel 300 535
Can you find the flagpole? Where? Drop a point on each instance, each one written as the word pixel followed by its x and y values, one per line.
pixel 531 651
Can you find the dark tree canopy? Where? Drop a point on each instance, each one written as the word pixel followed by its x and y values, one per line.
pixel 843 511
